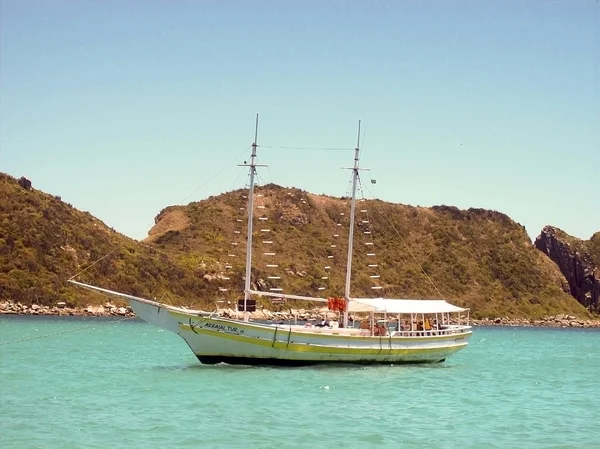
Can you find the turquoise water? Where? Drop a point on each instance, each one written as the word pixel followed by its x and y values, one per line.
pixel 127 384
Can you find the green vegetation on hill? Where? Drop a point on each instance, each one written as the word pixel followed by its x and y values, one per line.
pixel 477 258
pixel 44 241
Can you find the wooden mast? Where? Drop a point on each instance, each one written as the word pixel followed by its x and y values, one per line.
pixel 351 231
pixel 252 166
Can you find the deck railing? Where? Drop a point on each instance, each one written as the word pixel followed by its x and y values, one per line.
pixel 445 330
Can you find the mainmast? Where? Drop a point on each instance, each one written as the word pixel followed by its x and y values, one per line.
pixel 252 166
pixel 351 231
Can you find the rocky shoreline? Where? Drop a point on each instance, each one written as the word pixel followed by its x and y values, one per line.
pixel 61 309
pixel 111 310
pixel 561 321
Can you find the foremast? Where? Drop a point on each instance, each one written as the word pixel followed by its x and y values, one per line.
pixel 252 169
pixel 351 230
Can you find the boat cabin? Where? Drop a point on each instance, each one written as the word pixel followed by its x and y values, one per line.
pixel 409 317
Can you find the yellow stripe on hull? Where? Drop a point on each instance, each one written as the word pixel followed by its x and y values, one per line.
pixel 215 339
pixel 316 348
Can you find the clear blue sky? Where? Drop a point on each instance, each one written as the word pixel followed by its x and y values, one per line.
pixel 126 107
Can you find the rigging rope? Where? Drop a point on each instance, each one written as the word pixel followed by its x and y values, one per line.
pixel 261 181
pixel 182 201
pixel 242 170
pixel 217 174
pixel 37 337
pixel 305 148
pixel 377 272
pixel 90 266
pixel 410 252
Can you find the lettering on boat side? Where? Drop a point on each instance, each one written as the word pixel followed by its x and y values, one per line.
pixel 221 327
pixel 202 324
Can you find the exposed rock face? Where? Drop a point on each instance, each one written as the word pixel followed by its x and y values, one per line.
pixel 25 183
pixel 575 263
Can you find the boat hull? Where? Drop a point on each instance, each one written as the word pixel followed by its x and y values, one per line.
pixel 215 339
pixel 214 360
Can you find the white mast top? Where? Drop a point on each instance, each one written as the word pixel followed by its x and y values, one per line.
pixel 351 231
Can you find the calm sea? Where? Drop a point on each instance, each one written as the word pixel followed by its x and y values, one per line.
pixel 97 383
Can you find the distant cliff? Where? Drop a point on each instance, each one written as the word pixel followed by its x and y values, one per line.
pixel 579 262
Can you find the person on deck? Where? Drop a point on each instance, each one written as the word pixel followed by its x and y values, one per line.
pixel 427 324
pixel 323 323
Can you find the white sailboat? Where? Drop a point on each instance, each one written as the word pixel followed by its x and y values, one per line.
pixel 427 331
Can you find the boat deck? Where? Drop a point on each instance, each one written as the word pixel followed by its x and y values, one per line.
pixel 457 329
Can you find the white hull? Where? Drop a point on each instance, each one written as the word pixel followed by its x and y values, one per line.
pixel 214 339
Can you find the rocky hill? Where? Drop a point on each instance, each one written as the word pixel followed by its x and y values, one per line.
pixel 44 241
pixel 477 258
pixel 579 262
pixel 195 254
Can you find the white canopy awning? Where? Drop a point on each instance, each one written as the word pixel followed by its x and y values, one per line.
pixel 385 305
